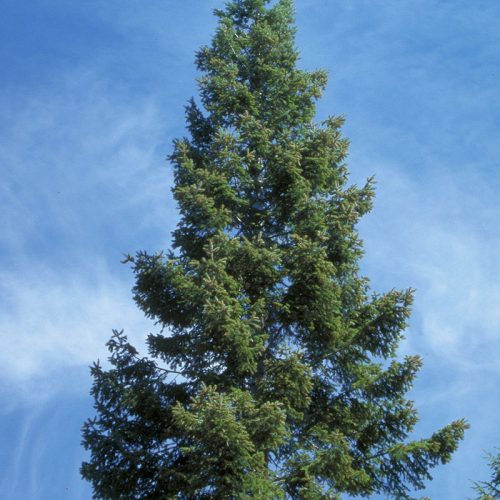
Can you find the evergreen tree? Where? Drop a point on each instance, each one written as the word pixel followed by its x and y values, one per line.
pixel 275 373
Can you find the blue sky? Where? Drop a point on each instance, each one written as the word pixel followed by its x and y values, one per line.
pixel 91 96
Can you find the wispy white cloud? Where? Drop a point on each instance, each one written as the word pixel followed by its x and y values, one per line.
pixel 84 183
pixel 15 464
pixel 80 156
pixel 440 237
pixel 43 454
pixel 49 322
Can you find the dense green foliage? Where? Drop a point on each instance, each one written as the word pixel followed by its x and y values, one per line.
pixel 275 373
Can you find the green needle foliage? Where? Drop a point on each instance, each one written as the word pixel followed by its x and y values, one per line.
pixel 275 375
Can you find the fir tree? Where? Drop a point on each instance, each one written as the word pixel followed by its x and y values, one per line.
pixel 275 373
